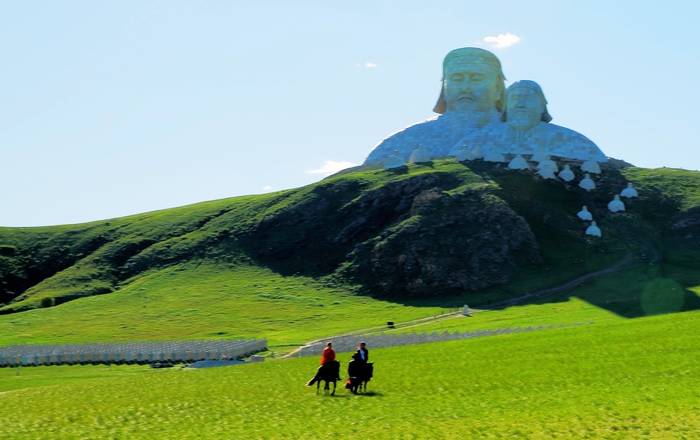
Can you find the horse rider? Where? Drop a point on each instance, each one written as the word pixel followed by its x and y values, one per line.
pixel 363 352
pixel 327 360
pixel 355 372
pixel 328 354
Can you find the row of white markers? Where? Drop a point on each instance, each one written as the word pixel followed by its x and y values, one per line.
pixel 615 205
pixel 548 169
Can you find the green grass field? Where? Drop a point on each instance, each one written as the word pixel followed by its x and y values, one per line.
pixel 200 301
pixel 625 379
pixel 210 301
pixel 618 375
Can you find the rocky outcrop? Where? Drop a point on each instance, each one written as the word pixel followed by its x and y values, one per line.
pixel 449 243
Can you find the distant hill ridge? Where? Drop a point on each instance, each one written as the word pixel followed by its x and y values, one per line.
pixel 426 230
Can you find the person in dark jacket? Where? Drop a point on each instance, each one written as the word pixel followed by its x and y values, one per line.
pixel 363 352
pixel 355 366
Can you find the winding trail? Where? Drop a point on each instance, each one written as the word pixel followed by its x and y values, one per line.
pixel 627 262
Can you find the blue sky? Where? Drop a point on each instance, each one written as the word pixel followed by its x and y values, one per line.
pixel 113 108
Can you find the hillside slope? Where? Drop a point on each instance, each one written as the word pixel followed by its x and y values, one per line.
pixel 435 230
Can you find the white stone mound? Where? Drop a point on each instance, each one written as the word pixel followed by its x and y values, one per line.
pixel 566 174
pixel 539 155
pixel 494 156
pixel 630 192
pixel 590 166
pixel 466 311
pixel 547 173
pixel 616 205
pixel 584 214
pixel 594 230
pixel 587 183
pixel 392 162
pixel 464 153
pixel 547 168
pixel 546 162
pixel 475 153
pixel 421 154
pixel 518 163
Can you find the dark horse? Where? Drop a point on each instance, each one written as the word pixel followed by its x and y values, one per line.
pixel 329 372
pixel 360 373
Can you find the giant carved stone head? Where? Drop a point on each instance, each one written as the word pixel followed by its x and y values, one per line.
pixel 472 81
pixel 526 105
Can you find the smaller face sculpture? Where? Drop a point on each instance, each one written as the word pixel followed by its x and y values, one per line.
pixel 524 108
pixel 526 105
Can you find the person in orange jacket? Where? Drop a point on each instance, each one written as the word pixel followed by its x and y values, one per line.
pixel 328 365
pixel 328 354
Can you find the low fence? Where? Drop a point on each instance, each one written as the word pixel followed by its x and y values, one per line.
pixel 127 353
pixel 349 343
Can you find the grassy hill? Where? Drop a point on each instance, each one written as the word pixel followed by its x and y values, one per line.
pixel 352 252
pixel 386 245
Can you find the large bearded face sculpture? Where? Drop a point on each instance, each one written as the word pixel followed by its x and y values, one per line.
pixel 472 82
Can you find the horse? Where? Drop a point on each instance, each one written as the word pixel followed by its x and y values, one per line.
pixel 328 372
pixel 358 382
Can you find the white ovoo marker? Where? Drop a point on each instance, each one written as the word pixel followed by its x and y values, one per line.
pixel 539 155
pixel 546 173
pixel 395 161
pixel 616 205
pixel 630 192
pixel 566 174
pixel 518 163
pixel 585 214
pixel 546 162
pixel 591 166
pixel 420 154
pixel 494 156
pixel 476 112
pixel 594 230
pixel 587 183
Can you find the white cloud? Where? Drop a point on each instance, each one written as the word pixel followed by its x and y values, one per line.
pixel 267 187
pixel 502 41
pixel 331 167
pixel 367 65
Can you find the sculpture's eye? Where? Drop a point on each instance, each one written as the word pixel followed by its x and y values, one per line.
pixel 457 77
pixel 476 76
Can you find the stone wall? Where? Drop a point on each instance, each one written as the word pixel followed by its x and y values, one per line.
pixel 138 352
pixel 349 343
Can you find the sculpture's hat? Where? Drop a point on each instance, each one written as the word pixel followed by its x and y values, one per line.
pixel 469 56
pixel 533 86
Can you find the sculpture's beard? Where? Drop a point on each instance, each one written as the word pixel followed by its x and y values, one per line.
pixel 522 120
pixel 472 112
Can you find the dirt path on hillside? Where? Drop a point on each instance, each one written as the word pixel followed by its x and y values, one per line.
pixel 627 262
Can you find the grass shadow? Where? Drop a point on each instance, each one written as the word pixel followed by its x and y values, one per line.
pixel 370 394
